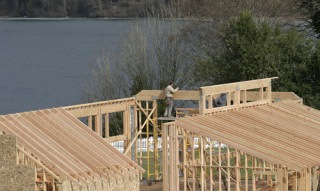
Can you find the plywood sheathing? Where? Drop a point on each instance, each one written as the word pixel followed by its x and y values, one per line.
pixel 284 133
pixel 12 176
pixel 68 147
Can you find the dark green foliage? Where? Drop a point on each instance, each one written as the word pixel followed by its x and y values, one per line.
pixel 34 7
pixel 84 8
pixel 138 84
pixel 255 49
pixel 116 124
pixel 22 8
pixel 8 6
pixel 313 7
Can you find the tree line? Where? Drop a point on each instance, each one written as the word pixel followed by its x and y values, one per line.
pixel 75 8
pixel 196 43
pixel 140 8
pixel 238 40
pixel 221 42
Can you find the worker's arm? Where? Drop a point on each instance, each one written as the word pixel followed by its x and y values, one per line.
pixel 174 90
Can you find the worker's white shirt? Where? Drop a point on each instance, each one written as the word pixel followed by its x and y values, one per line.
pixel 169 91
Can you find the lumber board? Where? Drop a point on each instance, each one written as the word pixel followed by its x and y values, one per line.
pixel 237 86
pixel 149 95
pixel 101 143
pixel 90 111
pixel 62 137
pixel 116 138
pixel 38 163
pixel 5 126
pixel 92 144
pixel 234 139
pixel 48 143
pixel 100 104
pixel 266 134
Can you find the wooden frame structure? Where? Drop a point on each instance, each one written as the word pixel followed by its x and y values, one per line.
pixel 66 154
pixel 267 145
pixel 256 141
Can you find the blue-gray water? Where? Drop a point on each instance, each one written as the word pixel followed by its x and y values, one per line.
pixel 43 63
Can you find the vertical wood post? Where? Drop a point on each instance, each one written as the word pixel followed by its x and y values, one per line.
pixel 165 164
pixel 173 158
pixel 202 103
pixel 202 172
pixel 314 178
pixel 220 164
pixel 229 166
pixel 155 139
pixel 254 163
pixel 237 171
pixel 106 125
pixel 98 123
pixel 269 92
pixel 90 121
pixel 237 96
pixel 246 172
pixel 184 157
pixel 210 165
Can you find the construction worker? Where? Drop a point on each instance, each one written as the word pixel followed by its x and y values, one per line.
pixel 220 101
pixel 169 91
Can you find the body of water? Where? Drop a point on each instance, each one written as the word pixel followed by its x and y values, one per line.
pixel 43 63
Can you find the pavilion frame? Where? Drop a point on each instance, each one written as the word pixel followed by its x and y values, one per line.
pixel 141 120
pixel 210 167
pixel 223 168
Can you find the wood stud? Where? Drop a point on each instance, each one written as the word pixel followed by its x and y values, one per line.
pixel 259 152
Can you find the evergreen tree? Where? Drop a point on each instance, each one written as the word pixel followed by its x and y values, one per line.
pixel 255 49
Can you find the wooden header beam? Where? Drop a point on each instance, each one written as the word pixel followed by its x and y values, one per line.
pixel 236 94
pixel 237 86
pixel 275 96
pixel 96 108
pixel 149 95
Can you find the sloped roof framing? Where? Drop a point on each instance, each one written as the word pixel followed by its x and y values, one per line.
pixel 286 132
pixel 67 147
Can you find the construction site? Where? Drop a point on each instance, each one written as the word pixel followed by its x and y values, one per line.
pixel 261 140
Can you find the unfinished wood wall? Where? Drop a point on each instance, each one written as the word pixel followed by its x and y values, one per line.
pixel 97 117
pixel 237 94
pixel 213 167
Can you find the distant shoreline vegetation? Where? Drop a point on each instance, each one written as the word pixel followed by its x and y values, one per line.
pixel 76 8
pixel 57 18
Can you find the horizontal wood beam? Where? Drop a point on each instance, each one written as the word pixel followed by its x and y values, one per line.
pixel 237 86
pixel 148 95
pixel 90 111
pixel 116 138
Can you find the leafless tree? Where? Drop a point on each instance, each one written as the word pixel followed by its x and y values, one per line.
pixel 163 47
pixel 151 53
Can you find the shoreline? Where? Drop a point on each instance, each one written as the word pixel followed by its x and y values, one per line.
pixel 60 18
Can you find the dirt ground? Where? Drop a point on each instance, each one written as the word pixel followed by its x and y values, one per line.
pixel 155 186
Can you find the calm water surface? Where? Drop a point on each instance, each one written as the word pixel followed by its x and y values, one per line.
pixel 43 63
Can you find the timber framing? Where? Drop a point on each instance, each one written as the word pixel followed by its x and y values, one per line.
pixel 61 147
pixel 261 140
pixel 255 142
